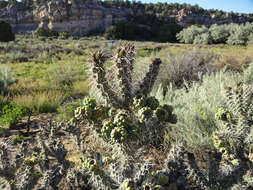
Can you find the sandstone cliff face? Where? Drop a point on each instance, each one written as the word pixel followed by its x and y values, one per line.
pixel 186 18
pixel 80 18
pixel 59 15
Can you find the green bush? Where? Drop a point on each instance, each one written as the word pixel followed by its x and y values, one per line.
pixel 66 112
pixel 12 114
pixel 18 139
pixel 17 57
pixel 195 107
pixel 3 4
pixel 6 33
pixel 234 34
pixel 63 35
pixel 189 34
pixel 219 33
pixel 46 33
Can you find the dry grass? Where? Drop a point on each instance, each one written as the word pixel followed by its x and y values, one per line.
pixel 80 88
pixel 186 67
pixel 40 102
pixel 236 59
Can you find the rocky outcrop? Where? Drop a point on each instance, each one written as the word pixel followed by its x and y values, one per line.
pixel 186 18
pixel 79 18
pixel 59 15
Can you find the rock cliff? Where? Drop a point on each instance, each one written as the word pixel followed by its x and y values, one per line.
pixel 186 18
pixel 59 15
pixel 79 18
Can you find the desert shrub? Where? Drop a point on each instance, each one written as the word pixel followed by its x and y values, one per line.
pixel 234 34
pixel 17 57
pixel 233 61
pixel 189 34
pixel 185 68
pixel 219 33
pixel 67 111
pixel 47 33
pixel 248 27
pixel 3 4
pixel 203 38
pixel 232 140
pixel 6 33
pixel 238 35
pixel 196 107
pixel 77 48
pixel 122 30
pixel 18 139
pixel 6 78
pixel 12 114
pixel 250 39
pixel 167 32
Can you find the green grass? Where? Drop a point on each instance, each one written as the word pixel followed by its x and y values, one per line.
pixel 57 69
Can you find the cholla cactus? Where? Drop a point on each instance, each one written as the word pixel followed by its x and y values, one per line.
pixel 92 165
pixel 124 60
pixel 132 121
pixel 99 74
pixel 236 122
pixel 91 111
pixel 128 184
pixel 146 85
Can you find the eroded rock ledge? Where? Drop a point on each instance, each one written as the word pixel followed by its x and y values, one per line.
pixel 81 18
pixel 59 15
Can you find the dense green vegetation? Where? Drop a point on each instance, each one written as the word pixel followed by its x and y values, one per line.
pixel 122 30
pixel 6 33
pixel 233 34
pixel 41 32
pixel 132 31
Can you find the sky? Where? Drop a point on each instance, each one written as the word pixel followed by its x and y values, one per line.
pixel 240 6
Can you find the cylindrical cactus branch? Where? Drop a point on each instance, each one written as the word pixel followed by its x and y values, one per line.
pixel 124 61
pixel 239 101
pixel 99 74
pixel 148 82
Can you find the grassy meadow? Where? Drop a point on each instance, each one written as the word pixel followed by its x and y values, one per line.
pixel 50 72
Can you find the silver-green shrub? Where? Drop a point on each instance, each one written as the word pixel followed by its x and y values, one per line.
pixel 204 38
pixel 195 107
pixel 219 33
pixel 189 34
pixel 238 35
pixel 6 78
